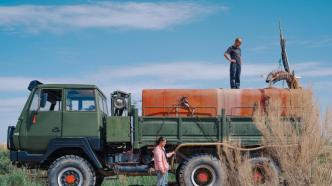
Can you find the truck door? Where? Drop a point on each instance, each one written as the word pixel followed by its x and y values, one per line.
pixel 44 119
pixel 80 118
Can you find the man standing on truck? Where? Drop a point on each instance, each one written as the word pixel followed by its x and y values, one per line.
pixel 160 161
pixel 233 55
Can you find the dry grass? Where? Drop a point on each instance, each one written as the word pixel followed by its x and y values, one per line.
pixel 3 146
pixel 12 176
pixel 308 161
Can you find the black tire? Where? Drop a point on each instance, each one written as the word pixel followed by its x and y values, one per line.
pixel 202 170
pixel 264 171
pixel 99 180
pixel 177 173
pixel 71 168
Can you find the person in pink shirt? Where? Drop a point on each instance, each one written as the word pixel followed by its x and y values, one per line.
pixel 160 161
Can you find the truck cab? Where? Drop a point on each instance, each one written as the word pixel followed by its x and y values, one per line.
pixel 58 111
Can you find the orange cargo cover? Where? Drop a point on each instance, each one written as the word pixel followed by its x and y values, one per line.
pixel 169 102
pixel 210 102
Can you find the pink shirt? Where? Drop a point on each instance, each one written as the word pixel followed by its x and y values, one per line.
pixel 160 160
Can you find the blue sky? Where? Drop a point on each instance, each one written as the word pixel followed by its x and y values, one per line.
pixel 131 45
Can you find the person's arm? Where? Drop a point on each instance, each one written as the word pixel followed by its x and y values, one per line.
pixel 228 56
pixel 241 59
pixel 170 154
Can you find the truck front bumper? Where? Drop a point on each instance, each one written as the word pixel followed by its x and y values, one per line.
pixel 24 157
pixel 20 156
pixel 10 142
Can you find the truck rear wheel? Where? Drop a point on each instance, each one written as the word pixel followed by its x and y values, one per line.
pixel 202 170
pixel 71 170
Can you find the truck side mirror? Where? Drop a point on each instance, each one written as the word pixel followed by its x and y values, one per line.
pixel 43 99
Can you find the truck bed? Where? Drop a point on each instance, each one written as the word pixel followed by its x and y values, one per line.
pixel 196 130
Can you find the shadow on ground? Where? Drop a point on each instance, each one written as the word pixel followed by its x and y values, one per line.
pixel 169 184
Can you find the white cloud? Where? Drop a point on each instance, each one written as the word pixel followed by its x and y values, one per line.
pixel 167 74
pixel 9 113
pixel 312 69
pixel 313 43
pixel 13 83
pixel 12 104
pixel 10 84
pixel 36 18
pixel 7 119
pixel 180 71
pixel 317 42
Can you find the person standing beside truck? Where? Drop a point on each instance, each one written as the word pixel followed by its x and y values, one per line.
pixel 160 161
pixel 233 55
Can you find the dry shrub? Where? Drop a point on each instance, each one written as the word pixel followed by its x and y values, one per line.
pixel 298 141
pixel 240 168
pixel 233 161
pixel 308 160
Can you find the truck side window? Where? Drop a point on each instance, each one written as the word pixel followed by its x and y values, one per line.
pixel 52 100
pixel 80 100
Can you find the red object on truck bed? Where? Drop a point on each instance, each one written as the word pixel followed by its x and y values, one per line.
pixel 210 102
pixel 168 102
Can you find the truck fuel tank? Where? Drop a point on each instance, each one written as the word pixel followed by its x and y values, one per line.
pixel 118 129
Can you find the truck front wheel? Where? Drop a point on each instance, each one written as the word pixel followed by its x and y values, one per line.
pixel 71 170
pixel 202 170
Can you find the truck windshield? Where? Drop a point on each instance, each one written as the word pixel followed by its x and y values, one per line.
pixel 80 100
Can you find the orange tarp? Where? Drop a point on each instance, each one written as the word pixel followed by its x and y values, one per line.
pixel 167 102
pixel 210 102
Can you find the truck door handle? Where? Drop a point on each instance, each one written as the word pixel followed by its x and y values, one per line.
pixel 56 129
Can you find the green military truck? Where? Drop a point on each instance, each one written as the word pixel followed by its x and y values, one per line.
pixel 66 129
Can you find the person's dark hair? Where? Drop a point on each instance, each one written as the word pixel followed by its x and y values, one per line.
pixel 160 139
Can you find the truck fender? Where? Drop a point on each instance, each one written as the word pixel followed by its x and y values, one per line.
pixel 82 143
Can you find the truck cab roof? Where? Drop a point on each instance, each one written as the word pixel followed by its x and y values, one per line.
pixel 69 86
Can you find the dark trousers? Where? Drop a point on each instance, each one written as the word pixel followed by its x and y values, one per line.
pixel 235 73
